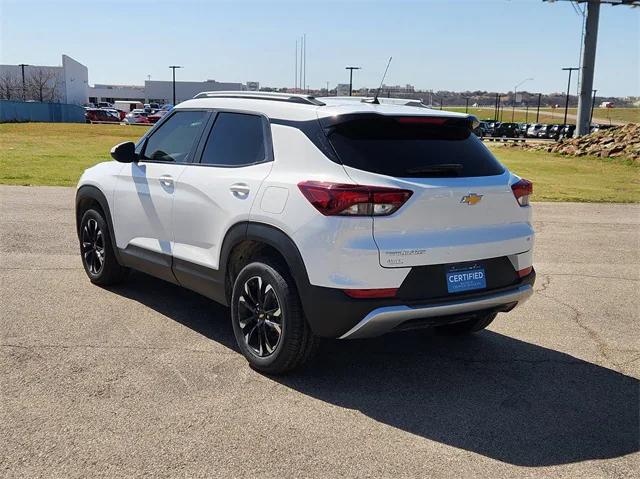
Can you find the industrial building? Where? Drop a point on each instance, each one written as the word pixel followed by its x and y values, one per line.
pixel 69 83
pixel 66 83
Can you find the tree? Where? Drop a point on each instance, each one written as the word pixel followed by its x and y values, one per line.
pixel 9 87
pixel 42 85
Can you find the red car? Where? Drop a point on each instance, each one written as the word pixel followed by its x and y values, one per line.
pixel 94 114
pixel 154 117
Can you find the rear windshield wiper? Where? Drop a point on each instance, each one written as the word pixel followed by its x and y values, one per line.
pixel 439 169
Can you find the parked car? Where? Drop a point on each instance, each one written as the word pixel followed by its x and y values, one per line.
pixel 555 132
pixel 115 112
pixel 154 106
pixel 485 128
pixel 154 117
pixel 136 116
pixel 167 107
pixel 544 130
pixel 568 131
pixel 287 209
pixel 104 104
pixel 532 131
pixel 95 114
pixel 508 130
pixel 523 127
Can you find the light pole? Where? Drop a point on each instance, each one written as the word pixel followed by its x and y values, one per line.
pixel 173 68
pixel 593 105
pixel 351 78
pixel 566 103
pixel 538 112
pixel 24 88
pixel 515 96
pixel 466 107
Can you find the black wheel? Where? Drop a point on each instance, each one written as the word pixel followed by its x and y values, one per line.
pixel 268 321
pixel 98 258
pixel 469 326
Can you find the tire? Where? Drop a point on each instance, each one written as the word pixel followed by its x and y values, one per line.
pixel 268 320
pixel 469 326
pixel 96 250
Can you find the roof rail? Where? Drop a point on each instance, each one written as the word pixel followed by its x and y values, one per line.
pixel 262 95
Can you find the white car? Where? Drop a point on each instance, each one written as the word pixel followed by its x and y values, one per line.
pixel 136 116
pixel 314 218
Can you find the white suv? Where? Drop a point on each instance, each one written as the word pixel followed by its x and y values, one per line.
pixel 314 217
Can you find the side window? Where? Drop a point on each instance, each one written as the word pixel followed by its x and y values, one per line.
pixel 175 137
pixel 236 139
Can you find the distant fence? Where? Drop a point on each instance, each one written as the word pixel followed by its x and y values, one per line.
pixel 16 111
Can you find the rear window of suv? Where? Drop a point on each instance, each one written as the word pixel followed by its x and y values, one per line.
pixel 405 147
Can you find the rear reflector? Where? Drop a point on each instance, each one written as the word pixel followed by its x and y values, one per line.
pixel 371 293
pixel 525 272
pixel 332 199
pixel 522 190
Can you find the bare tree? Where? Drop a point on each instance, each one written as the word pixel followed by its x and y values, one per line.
pixel 42 85
pixel 9 87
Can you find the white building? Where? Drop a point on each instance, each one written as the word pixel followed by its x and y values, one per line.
pixel 157 91
pixel 68 83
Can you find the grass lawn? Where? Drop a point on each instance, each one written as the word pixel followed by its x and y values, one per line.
pixel 566 178
pixel 57 153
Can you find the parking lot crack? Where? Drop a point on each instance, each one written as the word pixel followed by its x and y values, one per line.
pixel 603 347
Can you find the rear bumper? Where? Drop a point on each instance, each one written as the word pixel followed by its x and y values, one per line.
pixel 385 319
pixel 332 314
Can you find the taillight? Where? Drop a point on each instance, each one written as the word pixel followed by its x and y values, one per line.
pixel 332 199
pixel 525 272
pixel 522 190
pixel 371 293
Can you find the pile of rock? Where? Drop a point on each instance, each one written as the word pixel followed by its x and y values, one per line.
pixel 621 141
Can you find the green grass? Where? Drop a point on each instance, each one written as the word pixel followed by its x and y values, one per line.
pixel 57 154
pixel 565 178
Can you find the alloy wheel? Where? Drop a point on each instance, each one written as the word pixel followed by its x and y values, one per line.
pixel 93 247
pixel 260 316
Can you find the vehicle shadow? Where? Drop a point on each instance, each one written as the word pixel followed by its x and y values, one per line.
pixel 490 394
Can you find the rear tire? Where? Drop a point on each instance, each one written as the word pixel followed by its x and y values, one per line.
pixel 268 320
pixel 96 250
pixel 469 326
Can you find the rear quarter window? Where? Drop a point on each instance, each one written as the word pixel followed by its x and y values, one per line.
pixel 395 146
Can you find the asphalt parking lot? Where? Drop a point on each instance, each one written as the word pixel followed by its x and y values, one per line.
pixel 145 379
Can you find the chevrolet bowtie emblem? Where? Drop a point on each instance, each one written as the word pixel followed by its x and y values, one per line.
pixel 471 199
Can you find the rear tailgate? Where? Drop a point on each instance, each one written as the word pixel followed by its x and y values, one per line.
pixel 451 220
pixel 462 207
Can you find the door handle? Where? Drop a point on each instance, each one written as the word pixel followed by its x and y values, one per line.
pixel 166 180
pixel 240 190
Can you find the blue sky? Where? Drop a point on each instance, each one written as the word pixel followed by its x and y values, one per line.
pixel 435 44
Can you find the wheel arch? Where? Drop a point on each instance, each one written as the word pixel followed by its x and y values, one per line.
pixel 88 196
pixel 249 235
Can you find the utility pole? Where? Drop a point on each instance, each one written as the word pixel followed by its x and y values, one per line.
pixel 295 83
pixel 515 97
pixel 495 108
pixel 526 115
pixel 327 88
pixel 566 103
pixel 593 105
pixel 538 112
pixel 588 63
pixel 173 68
pixel 351 78
pixel 466 107
pixel 24 88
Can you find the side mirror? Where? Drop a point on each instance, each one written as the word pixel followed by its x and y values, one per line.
pixel 124 152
